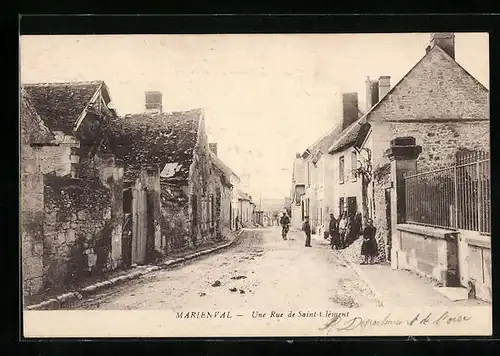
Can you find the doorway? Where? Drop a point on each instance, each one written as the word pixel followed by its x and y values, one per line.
pixel 352 206
pixel 127 225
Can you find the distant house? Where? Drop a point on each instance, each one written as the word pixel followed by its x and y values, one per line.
pixel 244 207
pixel 171 171
pixel 228 182
pixel 298 189
pixel 437 102
pixel 71 188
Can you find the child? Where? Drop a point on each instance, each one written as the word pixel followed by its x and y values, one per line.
pixel 369 247
pixel 306 227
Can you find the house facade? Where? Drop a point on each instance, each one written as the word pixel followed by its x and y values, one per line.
pixel 439 104
pixel 298 189
pixel 169 166
pixel 228 184
pixel 71 186
pixel 321 192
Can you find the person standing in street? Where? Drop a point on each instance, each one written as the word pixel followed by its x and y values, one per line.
pixel 343 225
pixel 369 248
pixel 333 230
pixel 306 227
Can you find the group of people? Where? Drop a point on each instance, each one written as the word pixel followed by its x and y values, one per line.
pixel 345 230
pixel 342 232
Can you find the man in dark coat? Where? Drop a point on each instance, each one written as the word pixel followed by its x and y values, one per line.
pixel 306 227
pixel 333 229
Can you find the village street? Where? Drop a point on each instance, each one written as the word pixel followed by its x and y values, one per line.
pixel 259 271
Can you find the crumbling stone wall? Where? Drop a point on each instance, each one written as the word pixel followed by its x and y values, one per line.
pixel 202 185
pixel 32 218
pixel 79 226
pixel 381 180
pixel 175 224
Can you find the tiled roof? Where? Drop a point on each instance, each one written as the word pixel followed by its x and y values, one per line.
pixel 33 130
pixel 143 141
pixel 60 104
pixel 322 144
pixel 349 135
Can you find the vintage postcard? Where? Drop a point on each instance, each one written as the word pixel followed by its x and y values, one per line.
pixel 255 185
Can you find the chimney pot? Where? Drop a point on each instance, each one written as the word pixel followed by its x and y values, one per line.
pixel 350 109
pixel 153 102
pixel 371 93
pixel 445 40
pixel 384 85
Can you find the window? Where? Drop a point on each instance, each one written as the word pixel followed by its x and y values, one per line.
pixel 354 165
pixel 341 169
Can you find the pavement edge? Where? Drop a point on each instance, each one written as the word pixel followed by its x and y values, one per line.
pixel 61 300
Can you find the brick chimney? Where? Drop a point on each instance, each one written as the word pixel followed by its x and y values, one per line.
pixel 446 41
pixel 350 109
pixel 213 148
pixel 154 102
pixel 384 85
pixel 298 155
pixel 371 93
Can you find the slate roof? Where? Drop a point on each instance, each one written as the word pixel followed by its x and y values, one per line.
pixel 60 104
pixel 144 141
pixel 33 130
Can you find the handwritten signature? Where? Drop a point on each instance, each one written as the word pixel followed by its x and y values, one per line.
pixel 341 323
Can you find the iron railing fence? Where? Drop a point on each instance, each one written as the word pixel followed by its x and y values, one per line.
pixel 456 197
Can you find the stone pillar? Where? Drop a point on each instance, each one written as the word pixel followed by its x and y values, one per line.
pixel 403 155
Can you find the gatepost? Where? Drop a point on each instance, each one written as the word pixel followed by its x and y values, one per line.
pixel 403 155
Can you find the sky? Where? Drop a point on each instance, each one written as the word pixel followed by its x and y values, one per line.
pixel 266 97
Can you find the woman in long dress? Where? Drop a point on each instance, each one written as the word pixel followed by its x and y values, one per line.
pixel 369 248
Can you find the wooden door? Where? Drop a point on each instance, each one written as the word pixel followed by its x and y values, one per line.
pixel 139 235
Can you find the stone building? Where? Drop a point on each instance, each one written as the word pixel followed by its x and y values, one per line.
pixel 228 180
pixel 322 193
pixel 71 188
pixel 183 196
pixel 438 103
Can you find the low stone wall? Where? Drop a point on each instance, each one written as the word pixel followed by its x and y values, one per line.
pixel 478 259
pixel 428 251
pixel 78 230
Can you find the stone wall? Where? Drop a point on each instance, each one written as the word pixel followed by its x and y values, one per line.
pixel 381 180
pixel 175 223
pixel 81 224
pixel 428 251
pixel 203 184
pixel 440 141
pixel 32 218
